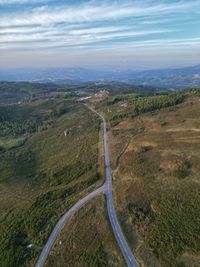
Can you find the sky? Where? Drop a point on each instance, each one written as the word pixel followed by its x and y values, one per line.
pixel 143 34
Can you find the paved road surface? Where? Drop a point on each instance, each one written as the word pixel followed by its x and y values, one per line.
pixel 122 243
pixel 106 188
pixel 57 229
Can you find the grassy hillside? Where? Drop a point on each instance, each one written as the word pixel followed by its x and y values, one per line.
pixel 155 157
pixel 14 92
pixel 119 106
pixel 86 240
pixel 49 158
pixel 50 155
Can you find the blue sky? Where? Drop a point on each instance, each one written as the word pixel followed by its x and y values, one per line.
pixel 99 34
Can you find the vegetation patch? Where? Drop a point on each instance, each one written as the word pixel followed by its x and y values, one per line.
pixel 152 103
pixel 169 224
pixel 43 177
pixel 176 227
pixel 142 149
pixel 86 240
pixel 120 107
pixel 183 169
pixel 160 208
pixel 139 165
pixel 11 143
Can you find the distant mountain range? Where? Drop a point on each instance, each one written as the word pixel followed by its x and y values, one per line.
pixel 163 78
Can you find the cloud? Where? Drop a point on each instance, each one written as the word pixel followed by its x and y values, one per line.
pixel 11 2
pixel 46 15
pixel 88 43
pixel 77 37
pixel 98 25
pixel 47 23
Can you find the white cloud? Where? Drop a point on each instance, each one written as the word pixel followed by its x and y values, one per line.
pixel 67 22
pixel 87 36
pixel 11 2
pixel 96 25
pixel 89 13
pixel 128 46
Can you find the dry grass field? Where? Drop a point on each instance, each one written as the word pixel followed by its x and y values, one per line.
pixel 86 240
pixel 156 178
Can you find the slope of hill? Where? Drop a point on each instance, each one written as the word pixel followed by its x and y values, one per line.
pixel 155 155
pixel 14 92
pixel 49 159
pixel 17 92
pixel 86 240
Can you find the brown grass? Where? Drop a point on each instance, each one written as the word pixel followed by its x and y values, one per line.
pixel 173 137
pixel 86 240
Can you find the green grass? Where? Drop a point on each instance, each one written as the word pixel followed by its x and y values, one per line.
pixel 18 92
pixel 33 224
pixel 169 224
pixel 86 240
pixel 176 226
pixel 11 143
pixel 43 177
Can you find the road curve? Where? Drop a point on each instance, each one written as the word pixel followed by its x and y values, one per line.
pixel 58 227
pixel 122 243
pixel 106 188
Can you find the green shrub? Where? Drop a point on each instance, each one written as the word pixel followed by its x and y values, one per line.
pixel 183 169
pixel 143 149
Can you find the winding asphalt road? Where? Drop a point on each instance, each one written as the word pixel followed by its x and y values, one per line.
pixel 106 188
pixel 58 227
pixel 122 243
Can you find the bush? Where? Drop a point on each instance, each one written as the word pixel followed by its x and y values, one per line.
pixel 143 149
pixel 183 169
